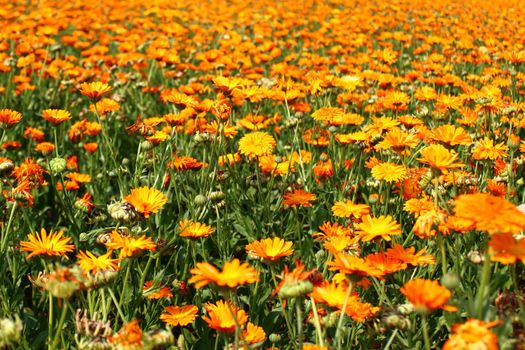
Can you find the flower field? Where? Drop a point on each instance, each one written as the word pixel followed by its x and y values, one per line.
pixel 340 174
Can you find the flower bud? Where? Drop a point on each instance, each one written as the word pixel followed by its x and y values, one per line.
pixel 450 280
pixel 10 331
pixel 200 200
pixel 295 290
pixel 122 211
pixel 274 338
pixel 57 165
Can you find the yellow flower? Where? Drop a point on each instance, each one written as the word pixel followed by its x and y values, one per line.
pixel 270 249
pixel 146 200
pixel 383 227
pixel 347 209
pixel 92 263
pixel 256 144
pixel 232 275
pixel 389 172
pixel 51 245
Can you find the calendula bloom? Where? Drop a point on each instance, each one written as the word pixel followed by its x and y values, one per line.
pixel 298 198
pixel 52 244
pixel 56 116
pixel 472 335
pixel 427 295
pixel 348 209
pixel 382 227
pixel 128 337
pixel 489 213
pixel 409 255
pixel 327 114
pixel 146 200
pixel 256 144
pixel 152 291
pixel 506 249
pixel 270 249
pixel 192 229
pixel 224 316
pixel 45 147
pixel 389 172
pixel 91 263
pixel 398 141
pixel 179 315
pixel 334 295
pixel 486 149
pixel 296 282
pixel 8 118
pixel 94 90
pixel 233 274
pixel 353 266
pixel 439 158
pixel 253 334
pixel 450 135
pixel 129 246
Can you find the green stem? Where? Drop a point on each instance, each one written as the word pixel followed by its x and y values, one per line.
pixel 299 315
pixel 425 333
pixel 342 316
pixel 485 277
pixel 59 327
pixel 317 323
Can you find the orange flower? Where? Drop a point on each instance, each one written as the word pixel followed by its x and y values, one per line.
pixel 409 255
pixel 45 147
pixel 8 118
pixel 334 295
pixel 253 334
pixel 91 147
pixel 490 213
pixel 348 209
pixel 354 266
pixel 128 337
pixel 56 116
pixel 179 315
pixel 129 246
pixel 427 295
pixel 151 291
pixel 146 200
pixel 224 316
pixel 299 197
pixel 506 249
pixel 43 244
pixel 270 249
pixel 233 274
pixel 256 144
pixel 94 90
pixel 471 335
pixel 382 227
pixel 389 172
pixel 486 149
pixel 192 229
pixel 92 263
pixel 450 135
pixel 439 158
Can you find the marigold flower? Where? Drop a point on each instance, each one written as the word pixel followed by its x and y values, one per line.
pixel 256 144
pixel 506 249
pixel 94 90
pixel 349 209
pixel 152 291
pixel 383 227
pixel 409 255
pixel 192 229
pixel 439 158
pixel 298 197
pixel 490 213
pixel 179 315
pixel 233 274
pixel 334 295
pixel 128 337
pixel 353 266
pixel 224 316
pixel 146 200
pixel 253 334
pixel 270 249
pixel 8 118
pixel 92 263
pixel 389 172
pixel 52 244
pixel 56 116
pixel 486 149
pixel 471 335
pixel 427 295
pixel 129 246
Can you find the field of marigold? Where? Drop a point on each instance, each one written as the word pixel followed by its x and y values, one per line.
pixel 248 174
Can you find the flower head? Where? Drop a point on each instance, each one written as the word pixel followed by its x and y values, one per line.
pixel 192 229
pixel 146 200
pixel 56 116
pixel 8 117
pixel 224 316
pixel 128 245
pixel 383 227
pixel 92 263
pixel 427 295
pixel 473 334
pixel 94 90
pixel 389 172
pixel 232 275
pixel 270 249
pixel 348 209
pixel 179 315
pixel 52 244
pixel 256 144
